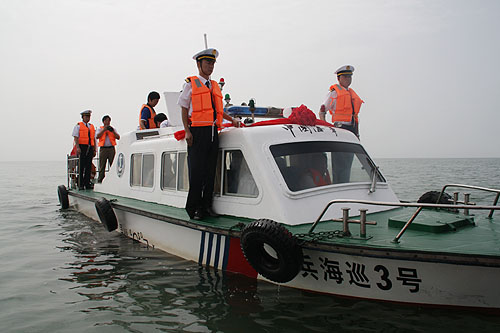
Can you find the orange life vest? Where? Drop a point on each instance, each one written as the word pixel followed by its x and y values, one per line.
pixel 346 101
pixel 320 179
pixel 111 136
pixel 83 138
pixel 151 120
pixel 204 100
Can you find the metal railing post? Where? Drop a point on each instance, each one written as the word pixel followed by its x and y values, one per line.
pixel 455 200
pixel 362 222
pixel 490 215
pixel 401 232
pixel 466 202
pixel 345 222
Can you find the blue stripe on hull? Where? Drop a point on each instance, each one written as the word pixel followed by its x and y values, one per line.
pixel 216 249
pixel 209 249
pixel 226 253
pixel 217 252
pixel 202 248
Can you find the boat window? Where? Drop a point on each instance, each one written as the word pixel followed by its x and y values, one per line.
pixel 142 171
pixel 182 173
pixel 238 180
pixel 312 164
pixel 136 170
pixel 168 170
pixel 148 164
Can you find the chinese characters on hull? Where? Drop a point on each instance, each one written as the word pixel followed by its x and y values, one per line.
pixel 355 273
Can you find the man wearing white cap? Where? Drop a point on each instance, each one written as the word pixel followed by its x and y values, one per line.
pixel 342 102
pixel 202 113
pixel 84 136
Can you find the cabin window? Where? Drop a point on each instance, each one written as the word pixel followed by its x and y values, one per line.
pixel 168 171
pixel 142 171
pixel 182 173
pixel 238 180
pixel 135 171
pixel 307 165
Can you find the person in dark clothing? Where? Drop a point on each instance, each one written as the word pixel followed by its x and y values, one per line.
pixel 201 117
pixel 146 118
pixel 84 136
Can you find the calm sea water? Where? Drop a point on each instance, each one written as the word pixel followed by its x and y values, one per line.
pixel 62 272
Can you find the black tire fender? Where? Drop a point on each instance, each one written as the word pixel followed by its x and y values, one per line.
pixel 258 237
pixel 62 193
pixel 432 198
pixel 106 214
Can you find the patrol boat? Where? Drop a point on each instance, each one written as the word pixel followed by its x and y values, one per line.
pixel 337 230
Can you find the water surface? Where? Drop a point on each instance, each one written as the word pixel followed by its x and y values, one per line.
pixel 63 272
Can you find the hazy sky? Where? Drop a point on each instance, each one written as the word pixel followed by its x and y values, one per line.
pixel 428 71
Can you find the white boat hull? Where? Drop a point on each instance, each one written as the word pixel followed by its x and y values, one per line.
pixel 378 277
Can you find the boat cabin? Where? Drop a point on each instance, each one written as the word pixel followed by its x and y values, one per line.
pixel 262 171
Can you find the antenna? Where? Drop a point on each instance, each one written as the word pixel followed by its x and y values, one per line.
pixel 206 44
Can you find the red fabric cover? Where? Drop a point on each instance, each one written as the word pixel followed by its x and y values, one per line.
pixel 179 135
pixel 300 116
pixel 73 151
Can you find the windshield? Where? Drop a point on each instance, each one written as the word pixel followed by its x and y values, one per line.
pixel 306 165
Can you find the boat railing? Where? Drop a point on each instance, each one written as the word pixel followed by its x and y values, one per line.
pixel 362 221
pixel 467 195
pixel 72 167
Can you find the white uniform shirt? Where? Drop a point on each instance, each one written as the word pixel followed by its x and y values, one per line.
pixel 165 123
pixel 76 130
pixel 107 141
pixel 330 105
pixel 185 96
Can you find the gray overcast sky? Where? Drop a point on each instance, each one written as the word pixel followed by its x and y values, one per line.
pixel 428 71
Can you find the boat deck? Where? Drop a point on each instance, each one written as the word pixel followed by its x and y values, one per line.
pixel 433 231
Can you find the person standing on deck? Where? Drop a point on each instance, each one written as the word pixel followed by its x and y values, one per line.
pixel 107 136
pixel 84 136
pixel 342 102
pixel 146 118
pixel 202 113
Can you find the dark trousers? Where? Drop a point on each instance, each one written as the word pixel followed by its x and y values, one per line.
pixel 202 163
pixel 105 154
pixel 86 155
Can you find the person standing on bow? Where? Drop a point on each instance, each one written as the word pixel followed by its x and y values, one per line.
pixel 107 136
pixel 146 118
pixel 202 113
pixel 342 102
pixel 84 136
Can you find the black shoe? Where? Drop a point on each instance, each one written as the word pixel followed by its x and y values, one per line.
pixel 190 213
pixel 199 215
pixel 89 187
pixel 211 213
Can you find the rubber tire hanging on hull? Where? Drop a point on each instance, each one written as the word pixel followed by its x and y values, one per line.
pixel 62 193
pixel 106 214
pixel 432 197
pixel 287 261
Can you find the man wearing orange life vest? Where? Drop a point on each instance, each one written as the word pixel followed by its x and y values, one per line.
pixel 107 137
pixel 84 136
pixel 202 113
pixel 316 174
pixel 146 118
pixel 342 102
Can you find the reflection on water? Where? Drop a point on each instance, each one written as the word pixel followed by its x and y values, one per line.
pixel 122 283
pixel 63 272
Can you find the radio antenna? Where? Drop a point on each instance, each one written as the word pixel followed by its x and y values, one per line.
pixel 206 44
